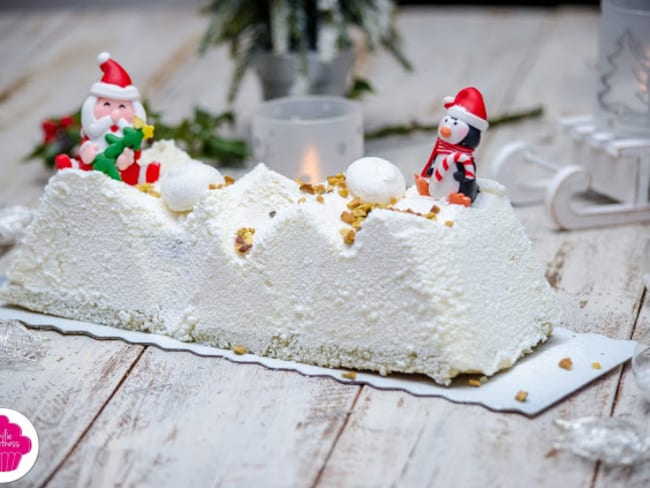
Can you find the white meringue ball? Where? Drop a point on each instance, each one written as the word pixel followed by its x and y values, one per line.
pixel 184 185
pixel 375 180
pixel 167 153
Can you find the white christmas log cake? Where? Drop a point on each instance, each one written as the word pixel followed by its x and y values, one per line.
pixel 354 272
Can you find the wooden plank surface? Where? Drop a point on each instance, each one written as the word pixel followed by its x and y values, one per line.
pixel 127 416
pixel 183 420
pixel 63 393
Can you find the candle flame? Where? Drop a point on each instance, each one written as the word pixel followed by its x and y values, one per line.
pixel 310 170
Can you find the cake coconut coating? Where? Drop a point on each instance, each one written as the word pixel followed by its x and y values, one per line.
pixel 413 286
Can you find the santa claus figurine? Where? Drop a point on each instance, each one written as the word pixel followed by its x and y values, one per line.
pixel 450 172
pixel 112 106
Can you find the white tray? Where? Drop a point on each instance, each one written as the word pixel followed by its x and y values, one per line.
pixel 537 373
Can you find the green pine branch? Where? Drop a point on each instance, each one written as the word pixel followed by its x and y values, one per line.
pixel 415 126
pixel 246 26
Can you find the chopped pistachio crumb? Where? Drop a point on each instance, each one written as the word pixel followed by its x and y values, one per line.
pixel 521 396
pixel 595 365
pixel 244 240
pixel 359 212
pixel 349 375
pixel 302 200
pixel 474 382
pixel 320 199
pixel 449 223
pixel 355 202
pixel 337 180
pixel 239 350
pixel 149 189
pixel 343 192
pixel 349 236
pixel 566 363
pixel 307 188
pixel 347 217
pixel 228 180
pixel 244 248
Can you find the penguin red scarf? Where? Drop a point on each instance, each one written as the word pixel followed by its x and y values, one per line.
pixel 442 147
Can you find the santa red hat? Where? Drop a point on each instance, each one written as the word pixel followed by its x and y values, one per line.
pixel 469 107
pixel 115 83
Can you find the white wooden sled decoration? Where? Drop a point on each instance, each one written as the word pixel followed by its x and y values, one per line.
pixel 600 162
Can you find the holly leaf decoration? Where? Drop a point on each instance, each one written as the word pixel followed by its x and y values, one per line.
pixel 60 135
pixel 200 137
pixel 359 88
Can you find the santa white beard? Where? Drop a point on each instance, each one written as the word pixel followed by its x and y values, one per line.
pixel 96 132
pixel 96 129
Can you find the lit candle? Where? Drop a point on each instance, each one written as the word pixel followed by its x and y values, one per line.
pixel 310 170
pixel 308 137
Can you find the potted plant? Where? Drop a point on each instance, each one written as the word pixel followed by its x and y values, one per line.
pixel 294 41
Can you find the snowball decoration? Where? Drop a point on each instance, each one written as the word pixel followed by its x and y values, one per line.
pixel 182 187
pixel 375 180
pixel 168 154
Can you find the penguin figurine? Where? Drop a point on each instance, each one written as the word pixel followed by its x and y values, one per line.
pixel 450 172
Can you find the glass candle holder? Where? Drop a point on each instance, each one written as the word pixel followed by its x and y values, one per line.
pixel 623 84
pixel 308 137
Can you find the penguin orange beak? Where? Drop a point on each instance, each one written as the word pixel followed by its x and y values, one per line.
pixel 445 131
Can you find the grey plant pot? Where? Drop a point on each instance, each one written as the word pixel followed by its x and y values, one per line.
pixel 281 74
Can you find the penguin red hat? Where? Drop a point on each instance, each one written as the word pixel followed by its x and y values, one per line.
pixel 469 107
pixel 115 82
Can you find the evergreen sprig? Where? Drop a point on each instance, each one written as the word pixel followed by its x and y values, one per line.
pixel 199 137
pixel 415 126
pixel 281 26
pixel 60 136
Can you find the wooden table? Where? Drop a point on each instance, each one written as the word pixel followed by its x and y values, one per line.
pixel 113 414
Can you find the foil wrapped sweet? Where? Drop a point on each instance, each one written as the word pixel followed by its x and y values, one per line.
pixel 20 346
pixel 613 441
pixel 13 223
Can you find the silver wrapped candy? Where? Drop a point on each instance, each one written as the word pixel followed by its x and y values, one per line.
pixel 20 346
pixel 613 441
